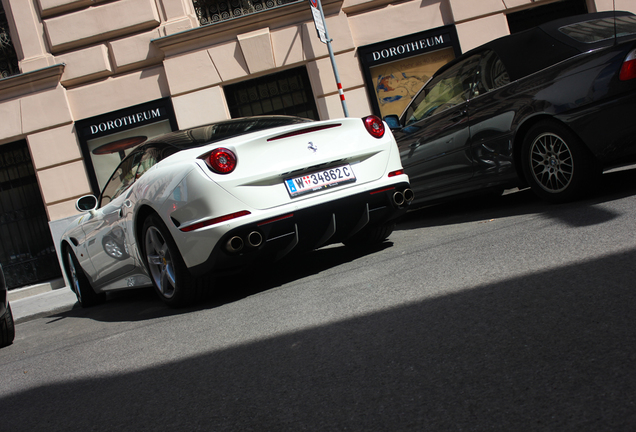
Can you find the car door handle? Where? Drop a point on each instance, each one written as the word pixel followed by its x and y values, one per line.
pixel 416 144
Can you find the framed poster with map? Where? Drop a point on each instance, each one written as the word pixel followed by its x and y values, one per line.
pixel 395 84
pixel 396 70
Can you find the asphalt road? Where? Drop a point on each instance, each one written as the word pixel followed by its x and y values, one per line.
pixel 511 315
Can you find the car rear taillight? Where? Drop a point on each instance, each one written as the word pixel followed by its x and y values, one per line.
pixel 374 126
pixel 628 70
pixel 220 160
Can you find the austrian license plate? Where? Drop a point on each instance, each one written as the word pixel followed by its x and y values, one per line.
pixel 320 180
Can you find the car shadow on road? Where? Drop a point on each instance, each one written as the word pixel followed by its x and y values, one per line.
pixel 265 277
pixel 144 304
pixel 552 350
pixel 612 186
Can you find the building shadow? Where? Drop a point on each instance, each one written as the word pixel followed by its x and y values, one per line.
pixel 548 351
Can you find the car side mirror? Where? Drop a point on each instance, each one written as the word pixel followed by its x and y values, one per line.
pixel 86 203
pixel 393 121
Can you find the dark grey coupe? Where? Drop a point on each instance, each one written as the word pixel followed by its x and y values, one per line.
pixel 550 107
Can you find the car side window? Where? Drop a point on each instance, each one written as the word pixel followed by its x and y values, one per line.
pixel 450 88
pixel 491 74
pixel 121 179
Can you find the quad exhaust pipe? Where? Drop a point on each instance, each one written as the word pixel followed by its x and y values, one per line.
pixel 254 239
pixel 408 195
pixel 236 243
pixel 403 197
pixel 398 198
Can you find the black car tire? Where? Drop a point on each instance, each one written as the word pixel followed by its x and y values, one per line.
pixel 86 295
pixel 172 281
pixel 370 237
pixel 556 164
pixel 7 328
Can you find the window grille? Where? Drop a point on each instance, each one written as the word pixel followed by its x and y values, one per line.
pixel 213 11
pixel 8 58
pixel 283 93
pixel 528 18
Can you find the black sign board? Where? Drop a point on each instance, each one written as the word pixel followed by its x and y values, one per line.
pixel 120 121
pixel 124 119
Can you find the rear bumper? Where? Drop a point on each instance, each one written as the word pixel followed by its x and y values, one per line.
pixel 304 229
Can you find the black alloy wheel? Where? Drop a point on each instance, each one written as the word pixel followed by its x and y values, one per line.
pixel 556 164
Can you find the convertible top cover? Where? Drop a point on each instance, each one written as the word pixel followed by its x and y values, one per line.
pixel 207 134
pixel 559 40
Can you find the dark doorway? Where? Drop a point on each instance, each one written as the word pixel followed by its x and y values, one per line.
pixel 283 93
pixel 27 253
pixel 528 18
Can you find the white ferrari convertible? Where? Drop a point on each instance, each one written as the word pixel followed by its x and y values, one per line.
pixel 188 205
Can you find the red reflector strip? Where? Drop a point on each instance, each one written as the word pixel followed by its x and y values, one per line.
pixel 275 219
pixel 217 220
pixel 396 173
pixel 304 131
pixel 382 190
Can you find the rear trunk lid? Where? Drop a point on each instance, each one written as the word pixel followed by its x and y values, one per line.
pixel 267 158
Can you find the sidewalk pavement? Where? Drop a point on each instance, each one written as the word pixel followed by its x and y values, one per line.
pixel 41 300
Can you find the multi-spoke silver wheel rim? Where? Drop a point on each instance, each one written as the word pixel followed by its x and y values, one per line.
pixel 74 279
pixel 551 163
pixel 160 262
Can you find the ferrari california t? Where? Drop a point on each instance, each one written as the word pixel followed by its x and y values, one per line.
pixel 189 205
pixel 549 107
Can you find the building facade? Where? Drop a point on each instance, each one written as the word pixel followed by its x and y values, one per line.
pixel 83 81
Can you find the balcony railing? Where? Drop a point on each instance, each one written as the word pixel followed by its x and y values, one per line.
pixel 8 59
pixel 213 11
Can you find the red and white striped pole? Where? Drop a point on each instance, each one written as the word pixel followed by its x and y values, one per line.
pixel 321 28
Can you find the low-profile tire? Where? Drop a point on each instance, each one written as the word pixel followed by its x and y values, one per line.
pixel 172 281
pixel 86 295
pixel 370 237
pixel 7 328
pixel 556 164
